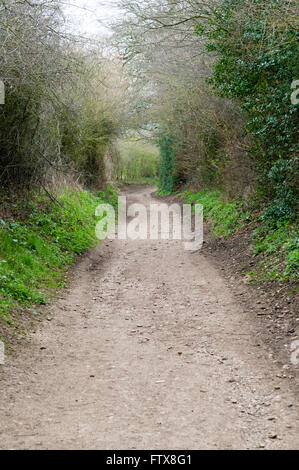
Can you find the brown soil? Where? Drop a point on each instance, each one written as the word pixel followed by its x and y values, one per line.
pixel 273 304
pixel 151 347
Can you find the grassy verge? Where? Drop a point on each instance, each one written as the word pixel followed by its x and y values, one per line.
pixel 37 246
pixel 149 181
pixel 275 245
pixel 225 217
pixel 278 249
pixel 164 192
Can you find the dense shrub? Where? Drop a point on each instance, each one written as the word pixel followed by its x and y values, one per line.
pixel 57 113
pixel 167 163
pixel 224 93
pixel 138 159
pixel 276 248
pixel 256 47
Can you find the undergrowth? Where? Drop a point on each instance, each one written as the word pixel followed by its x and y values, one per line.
pixel 278 247
pixel 164 192
pixel 226 217
pixel 35 253
pixel 148 181
pixel 276 244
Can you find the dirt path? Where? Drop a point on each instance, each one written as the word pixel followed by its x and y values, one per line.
pixel 147 349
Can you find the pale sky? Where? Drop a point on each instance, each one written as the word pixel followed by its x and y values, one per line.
pixel 90 17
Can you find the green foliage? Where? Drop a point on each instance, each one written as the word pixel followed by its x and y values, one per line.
pixel 137 160
pixel 109 195
pixel 276 246
pixel 39 133
pixel 279 249
pixel 18 121
pixel 167 163
pixel 85 136
pixel 256 46
pixel 163 192
pixel 35 253
pixel 226 217
pixel 143 181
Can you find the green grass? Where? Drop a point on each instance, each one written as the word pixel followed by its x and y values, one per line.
pixel 110 196
pixel 164 192
pixel 148 180
pixel 35 253
pixel 226 217
pixel 278 247
pixel 275 245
